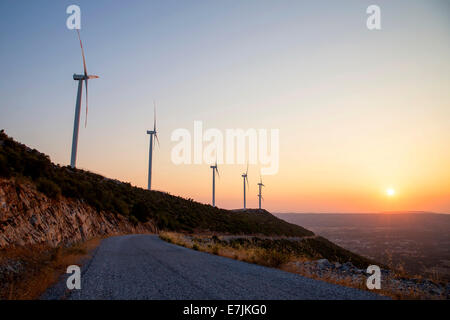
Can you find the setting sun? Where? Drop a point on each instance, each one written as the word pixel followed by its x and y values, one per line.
pixel 390 192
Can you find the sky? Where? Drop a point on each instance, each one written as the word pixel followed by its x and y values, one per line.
pixel 358 111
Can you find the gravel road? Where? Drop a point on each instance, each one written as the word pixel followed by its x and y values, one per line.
pixel 145 267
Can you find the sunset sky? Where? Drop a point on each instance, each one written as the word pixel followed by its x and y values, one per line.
pixel 359 111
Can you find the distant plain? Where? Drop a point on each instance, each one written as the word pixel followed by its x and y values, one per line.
pixel 418 242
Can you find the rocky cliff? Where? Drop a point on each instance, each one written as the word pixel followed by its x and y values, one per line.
pixel 29 217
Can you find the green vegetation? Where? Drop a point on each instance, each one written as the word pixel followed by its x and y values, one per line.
pixel 167 211
pixel 312 248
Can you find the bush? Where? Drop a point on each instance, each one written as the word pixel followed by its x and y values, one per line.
pixel 5 171
pixel 120 206
pixel 49 188
pixel 141 211
pixel 133 220
pixel 215 249
pixel 36 167
pixel 271 258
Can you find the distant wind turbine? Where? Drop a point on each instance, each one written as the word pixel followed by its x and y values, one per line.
pixel 260 185
pixel 150 153
pixel 80 78
pixel 214 170
pixel 244 176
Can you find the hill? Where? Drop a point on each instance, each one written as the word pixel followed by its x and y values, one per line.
pixel 50 214
pixel 165 211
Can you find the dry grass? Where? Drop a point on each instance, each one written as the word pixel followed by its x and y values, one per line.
pixel 261 256
pixel 283 261
pixel 35 268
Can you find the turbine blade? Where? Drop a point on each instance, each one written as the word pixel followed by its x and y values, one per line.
pixel 82 53
pixel 85 120
pixel 247 168
pixel 154 116
pixel 217 170
pixel 157 140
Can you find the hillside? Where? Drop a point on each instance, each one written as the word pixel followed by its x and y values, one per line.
pixel 23 165
pixel 49 214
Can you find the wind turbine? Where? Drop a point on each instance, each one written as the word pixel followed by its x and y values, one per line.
pixel 260 185
pixel 245 178
pixel 214 170
pixel 80 78
pixel 150 153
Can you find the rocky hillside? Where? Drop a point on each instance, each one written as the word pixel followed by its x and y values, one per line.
pixel 30 217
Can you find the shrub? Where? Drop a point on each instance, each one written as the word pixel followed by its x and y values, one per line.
pixel 271 258
pixel 36 167
pixel 215 249
pixel 141 211
pixel 49 188
pixel 5 171
pixel 133 220
pixel 120 206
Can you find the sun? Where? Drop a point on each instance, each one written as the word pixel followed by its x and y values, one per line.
pixel 390 192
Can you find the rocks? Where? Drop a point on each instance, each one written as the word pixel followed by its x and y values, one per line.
pixel 10 269
pixel 348 266
pixel 33 220
pixel 353 276
pixel 29 217
pixel 324 264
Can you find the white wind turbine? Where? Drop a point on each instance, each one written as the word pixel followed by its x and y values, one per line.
pixel 245 178
pixel 150 152
pixel 80 78
pixel 214 170
pixel 260 197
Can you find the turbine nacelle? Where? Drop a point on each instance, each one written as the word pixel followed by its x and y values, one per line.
pixel 215 169
pixel 79 77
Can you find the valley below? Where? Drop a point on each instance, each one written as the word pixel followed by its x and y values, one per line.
pixel 418 243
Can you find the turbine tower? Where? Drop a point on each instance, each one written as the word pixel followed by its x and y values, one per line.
pixel 214 170
pixel 150 152
pixel 260 197
pixel 245 178
pixel 80 78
